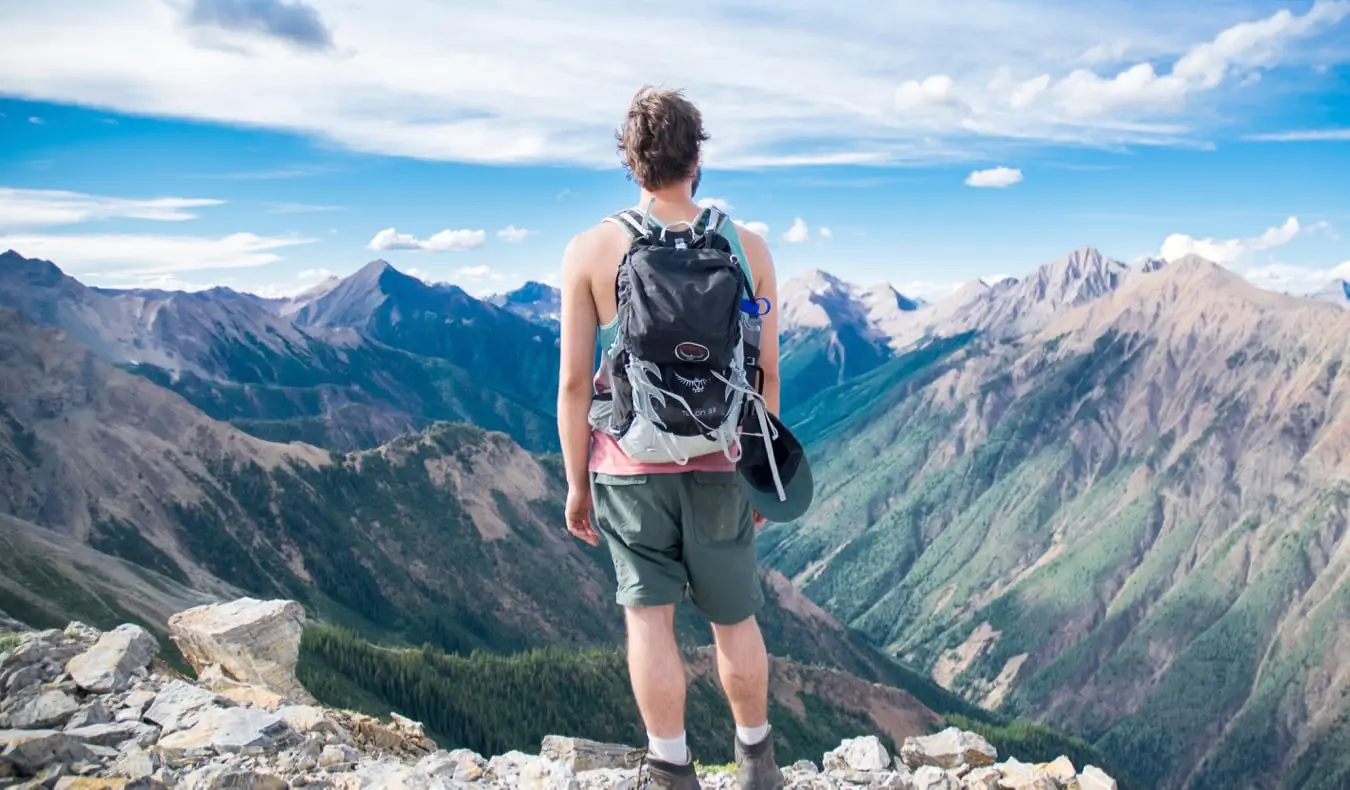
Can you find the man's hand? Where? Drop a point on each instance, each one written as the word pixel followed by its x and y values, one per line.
pixel 579 515
pixel 760 520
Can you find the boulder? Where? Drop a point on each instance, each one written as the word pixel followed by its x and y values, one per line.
pixel 986 778
pixel 29 751
pixel 930 777
pixel 254 642
pixel 114 660
pixel 948 749
pixel 579 754
pixel 41 709
pixel 1094 778
pixel 178 705
pixel 93 713
pixel 858 754
pixel 114 734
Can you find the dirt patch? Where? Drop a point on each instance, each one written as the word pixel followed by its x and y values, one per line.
pixel 953 662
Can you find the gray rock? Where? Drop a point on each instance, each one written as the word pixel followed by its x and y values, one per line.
pixel 986 778
pixel 338 756
pixel 115 734
pixel 858 754
pixel 225 777
pixel 579 754
pixel 42 709
pixel 950 748
pixel 1094 778
pixel 930 777
pixel 178 706
pixel 224 730
pixel 114 660
pixel 29 751
pixel 254 642
pixel 22 677
pixel 93 713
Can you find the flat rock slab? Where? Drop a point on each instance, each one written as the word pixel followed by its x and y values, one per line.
pixel 579 754
pixel 114 660
pixel 858 754
pixel 178 706
pixel 223 730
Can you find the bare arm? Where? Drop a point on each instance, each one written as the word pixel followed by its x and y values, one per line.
pixel 766 286
pixel 577 343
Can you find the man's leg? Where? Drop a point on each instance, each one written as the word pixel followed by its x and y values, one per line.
pixel 743 666
pixel 657 672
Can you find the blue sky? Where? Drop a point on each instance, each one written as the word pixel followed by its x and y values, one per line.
pixel 264 143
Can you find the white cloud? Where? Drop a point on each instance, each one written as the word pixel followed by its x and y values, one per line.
pixel 314 274
pixel 142 256
pixel 935 91
pixel 826 233
pixel 33 119
pixel 720 204
pixel 872 83
pixel 512 234
pixel 445 241
pixel 758 228
pixel 1301 136
pixel 798 233
pixel 1240 49
pixel 928 290
pixel 1112 52
pixel 1298 280
pixel 41 208
pixel 1233 252
pixel 473 272
pixel 997 177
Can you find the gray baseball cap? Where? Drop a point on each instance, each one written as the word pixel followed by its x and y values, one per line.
pixel 794 471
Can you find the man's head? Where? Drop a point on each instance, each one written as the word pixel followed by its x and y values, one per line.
pixel 660 139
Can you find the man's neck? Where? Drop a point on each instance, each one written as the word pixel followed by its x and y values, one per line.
pixel 673 204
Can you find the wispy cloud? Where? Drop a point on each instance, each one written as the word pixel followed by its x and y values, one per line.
pixel 997 177
pixel 140 257
pixel 1301 136
pixel 40 208
pixel 513 235
pixel 1239 251
pixel 299 208
pixel 33 119
pixel 874 83
pixel 1297 280
pixel 277 173
pixel 445 241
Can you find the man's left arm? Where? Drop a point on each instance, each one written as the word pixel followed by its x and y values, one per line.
pixel 575 375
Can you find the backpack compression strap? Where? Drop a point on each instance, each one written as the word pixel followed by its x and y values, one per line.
pixel 632 222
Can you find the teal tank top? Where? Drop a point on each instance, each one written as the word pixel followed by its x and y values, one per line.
pixel 605 333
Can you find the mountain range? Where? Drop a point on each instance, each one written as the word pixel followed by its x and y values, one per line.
pixel 1108 498
pixel 1127 520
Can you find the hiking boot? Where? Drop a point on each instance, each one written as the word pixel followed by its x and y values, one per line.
pixel 660 774
pixel 755 766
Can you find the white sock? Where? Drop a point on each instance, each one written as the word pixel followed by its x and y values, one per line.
pixel 752 735
pixel 668 750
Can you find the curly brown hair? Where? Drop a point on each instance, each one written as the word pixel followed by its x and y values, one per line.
pixel 660 139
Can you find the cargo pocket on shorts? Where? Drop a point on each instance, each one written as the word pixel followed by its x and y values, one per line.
pixel 719 509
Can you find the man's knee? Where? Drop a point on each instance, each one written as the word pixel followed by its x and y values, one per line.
pixel 650 618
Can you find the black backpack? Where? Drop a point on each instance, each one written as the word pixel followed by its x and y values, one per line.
pixel 687 345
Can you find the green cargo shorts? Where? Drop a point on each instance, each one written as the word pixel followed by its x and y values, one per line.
pixel 677 535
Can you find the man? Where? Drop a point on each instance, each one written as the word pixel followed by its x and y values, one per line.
pixel 673 530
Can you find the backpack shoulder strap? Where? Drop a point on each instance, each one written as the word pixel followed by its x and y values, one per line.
pixel 632 222
pixel 709 220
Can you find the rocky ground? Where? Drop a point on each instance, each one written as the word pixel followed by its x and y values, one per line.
pixel 89 709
